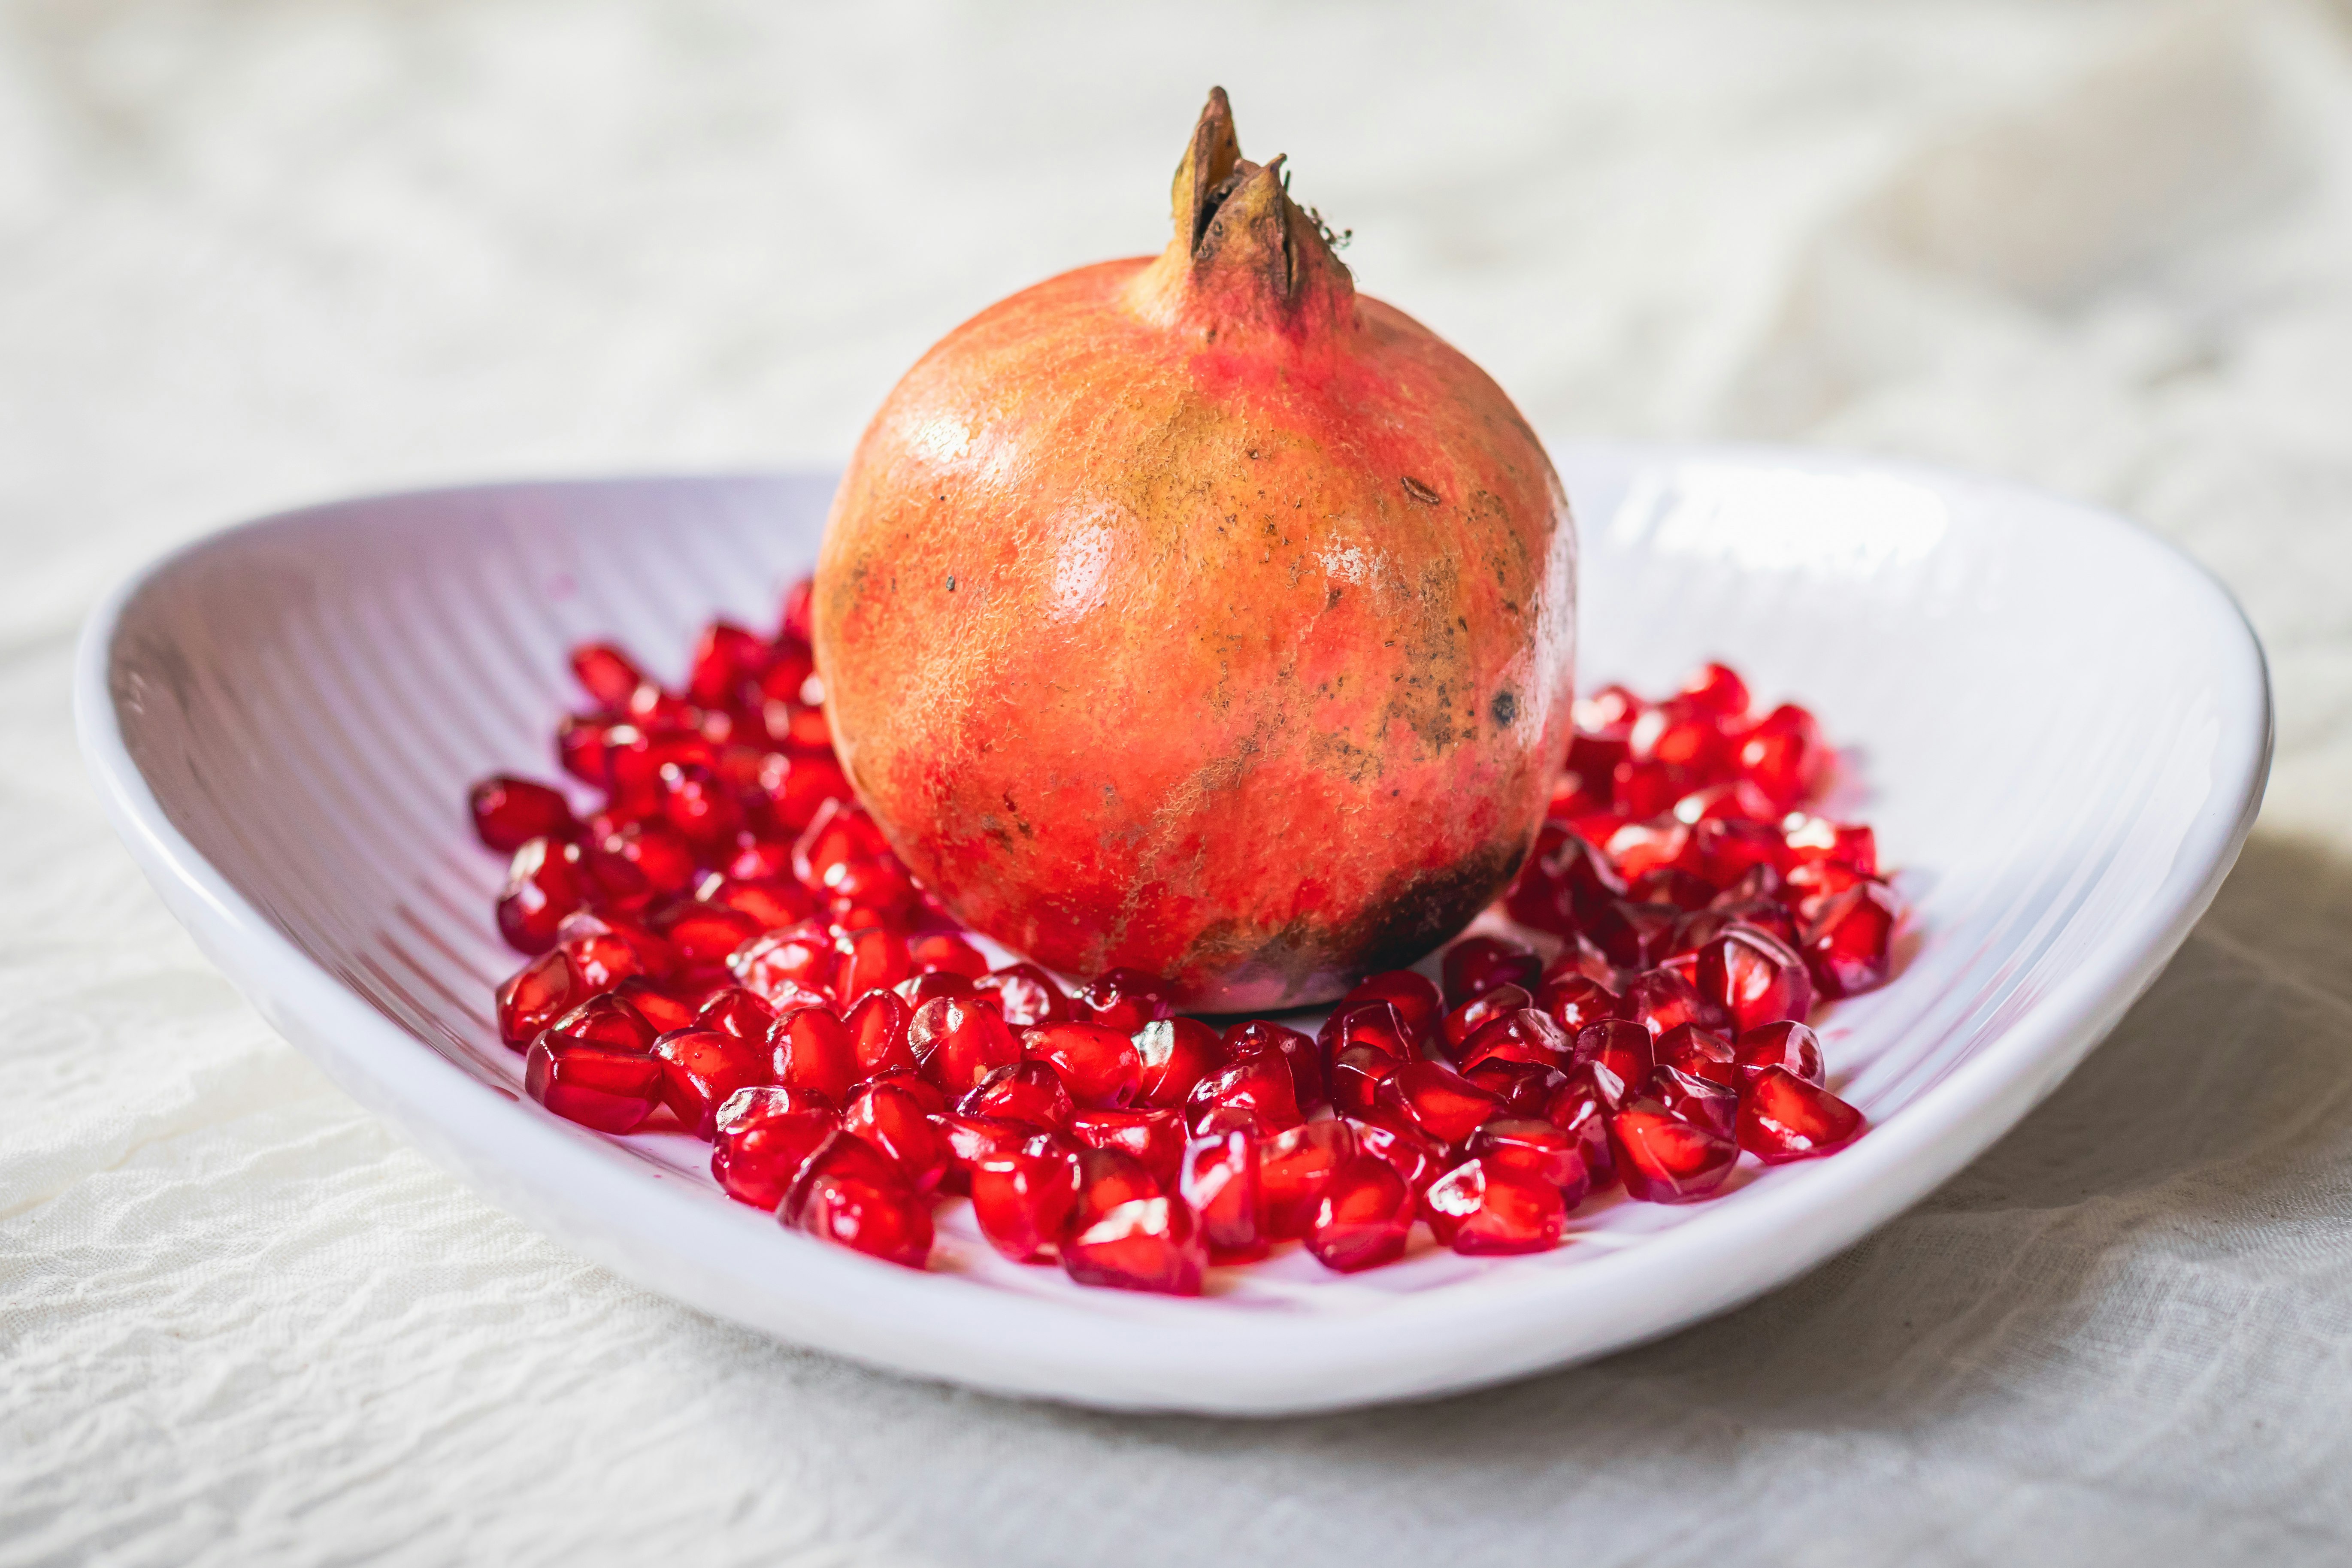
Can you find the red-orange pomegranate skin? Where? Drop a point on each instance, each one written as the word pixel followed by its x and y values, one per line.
pixel 1199 615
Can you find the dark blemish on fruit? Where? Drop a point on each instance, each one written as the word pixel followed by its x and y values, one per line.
pixel 1419 492
pixel 1332 600
pixel 951 582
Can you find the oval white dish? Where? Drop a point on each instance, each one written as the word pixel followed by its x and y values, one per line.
pixel 2058 726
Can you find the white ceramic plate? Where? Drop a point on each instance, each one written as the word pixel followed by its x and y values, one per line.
pixel 2058 727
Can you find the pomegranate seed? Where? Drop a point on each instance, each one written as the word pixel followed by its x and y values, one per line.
pixel 704 936
pixel 1701 1053
pixel 735 1011
pixel 1219 1181
pixel 1783 1118
pixel 1176 1054
pixel 1679 738
pixel 609 676
pixel 879 1043
pixel 1782 755
pixel 1818 838
pixel 508 813
pixel 895 1123
pixel 1738 801
pixel 1756 884
pixel 798 788
pixel 1477 964
pixel 1025 995
pixel 809 1053
pixel 1662 1159
pixel 1773 919
pixel 1848 946
pixel 701 807
pixel 544 884
pixel 1356 1076
pixel 1152 1244
pixel 1364 1217
pixel 763 1138
pixel 1024 1199
pixel 1695 1100
pixel 881 885
pixel 1097 1062
pixel 1726 851
pixel 1717 689
pixel 1293 1168
pixel 1405 1149
pixel 605 950
pixel 1525 1036
pixel 1123 999
pixel 1661 999
pixel 1523 1088
pixel 872 960
pixel 924 1092
pixel 656 851
pixel 1672 885
pixel 1791 1046
pixel 764 861
pixel 1635 936
pixel 800 611
pixel 726 661
pixel 582 743
pixel 851 1195
pixel 940 951
pixel 1643 788
pixel 1376 1026
pixel 1750 975
pixel 606 1022
pixel 1535 1148
pixel 610 1090
pixel 1638 847
pixel 1156 1137
pixel 777 964
pixel 1107 1178
pixel 772 902
pixel 1257 1095
pixel 663 1011
pixel 1609 708
pixel 1437 1100
pixel 1575 1000
pixel 1581 1109
pixel 701 1068
pixel 1023 1091
pixel 1415 996
pixel 1456 1027
pixel 918 989
pixel 1299 1054
pixel 972 1139
pixel 1482 1209
pixel 1623 1055
pixel 534 996
pixel 959 1043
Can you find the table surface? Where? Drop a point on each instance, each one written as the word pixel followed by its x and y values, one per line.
pixel 256 255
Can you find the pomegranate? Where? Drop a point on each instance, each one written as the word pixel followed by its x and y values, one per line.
pixel 1221 488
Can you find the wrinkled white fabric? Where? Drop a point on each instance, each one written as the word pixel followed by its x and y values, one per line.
pixel 254 254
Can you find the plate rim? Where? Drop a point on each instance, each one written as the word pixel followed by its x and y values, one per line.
pixel 555 1179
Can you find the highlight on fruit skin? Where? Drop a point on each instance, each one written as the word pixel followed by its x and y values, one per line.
pixel 1201 616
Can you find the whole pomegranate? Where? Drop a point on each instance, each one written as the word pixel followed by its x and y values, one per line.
pixel 1199 615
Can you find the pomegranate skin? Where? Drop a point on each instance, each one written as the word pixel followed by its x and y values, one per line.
pixel 1199 615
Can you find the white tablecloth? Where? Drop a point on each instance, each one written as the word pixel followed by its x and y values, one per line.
pixel 252 255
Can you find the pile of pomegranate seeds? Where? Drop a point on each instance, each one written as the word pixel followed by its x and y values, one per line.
pixel 728 946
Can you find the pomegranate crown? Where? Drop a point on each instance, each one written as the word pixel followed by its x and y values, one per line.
pixel 1243 250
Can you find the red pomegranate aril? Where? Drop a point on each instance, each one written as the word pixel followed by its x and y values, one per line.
pixel 606 1022
pixel 1259 1037
pixel 1663 1159
pixel 763 861
pixel 799 623
pixel 1728 851
pixel 1027 1092
pixel 701 807
pixel 1783 1118
pixel 918 989
pixel 1218 1181
pixel 1364 1217
pixel 1580 1108
pixel 704 936
pixel 1257 1095
pixel 610 1090
pixel 1738 801
pixel 534 996
pixel 1622 1054
pixel 701 1068
pixel 606 950
pixel 1415 996
pixel 1025 995
pixel 1123 999
pixel 1536 1148
pixel 1661 999
pixel 841 832
pixel 799 788
pixel 581 740
pixel 1456 1028
pixel 958 1043
pixel 1791 1046
pixel 1695 1100
pixel 1156 1137
pixel 1437 1100
pixel 657 852
pixel 726 661
pixel 1575 1000
pixel 881 885
pixel 1848 947
pixel 777 964
pixel 972 1139
pixel 1782 755
pixel 1716 690
pixel 1405 1148
pixel 1356 1074
pixel 878 1044
pixel 609 676
pixel 1477 964
pixel 1175 1055
pixel 1152 1244
pixel 1375 1025
pixel 1634 936
pixel 849 1195
pixel 1639 848
pixel 1770 918
pixel 772 902
pixel 1750 975
pixel 898 1127
pixel 1643 787
pixel 1524 1089
pixel 1701 1053
pixel 1671 885
pixel 923 1091
pixel 1483 1209
pixel 763 1138
pixel 1818 838
pixel 544 884
pixel 1097 1063
pixel 1024 1199
pixel 508 813
pixel 1523 1035
pixel 735 1011
pixel 1107 1178
pixel 872 960
pixel 944 952
pixel 1293 1169
pixel 660 1009
pixel 809 1053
